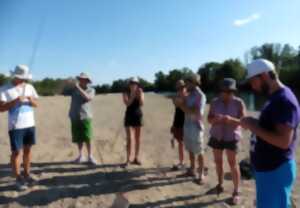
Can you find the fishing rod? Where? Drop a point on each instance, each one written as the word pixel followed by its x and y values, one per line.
pixel 37 42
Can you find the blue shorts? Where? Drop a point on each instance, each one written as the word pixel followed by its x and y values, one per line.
pixel 274 188
pixel 21 137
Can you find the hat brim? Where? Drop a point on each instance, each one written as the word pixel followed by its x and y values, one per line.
pixel 22 77
pixel 84 78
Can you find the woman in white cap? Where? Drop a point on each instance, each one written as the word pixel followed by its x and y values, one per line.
pixel 133 99
pixel 224 116
pixel 81 117
pixel 193 107
pixel 19 98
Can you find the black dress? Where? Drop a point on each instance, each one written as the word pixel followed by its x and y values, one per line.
pixel 134 114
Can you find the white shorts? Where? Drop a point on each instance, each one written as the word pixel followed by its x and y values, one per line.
pixel 193 138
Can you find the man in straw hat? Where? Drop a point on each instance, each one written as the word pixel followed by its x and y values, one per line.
pixel 193 107
pixel 81 117
pixel 19 98
pixel 274 138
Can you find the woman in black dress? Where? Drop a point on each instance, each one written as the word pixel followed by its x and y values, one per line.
pixel 134 100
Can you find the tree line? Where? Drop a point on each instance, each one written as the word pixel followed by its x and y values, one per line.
pixel 285 57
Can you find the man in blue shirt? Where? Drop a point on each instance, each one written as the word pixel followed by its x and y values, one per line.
pixel 274 140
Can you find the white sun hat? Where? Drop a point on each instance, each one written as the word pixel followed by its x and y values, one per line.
pixel 83 75
pixel 259 66
pixel 134 80
pixel 21 72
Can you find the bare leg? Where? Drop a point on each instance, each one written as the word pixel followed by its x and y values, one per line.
pixel 15 163
pixel 80 148
pixel 232 160
pixel 89 149
pixel 181 152
pixel 27 160
pixel 218 156
pixel 128 143
pixel 192 160
pixel 201 167
pixel 137 135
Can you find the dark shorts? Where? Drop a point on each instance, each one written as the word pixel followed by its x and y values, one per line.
pixel 133 120
pixel 223 145
pixel 21 137
pixel 82 131
pixel 177 133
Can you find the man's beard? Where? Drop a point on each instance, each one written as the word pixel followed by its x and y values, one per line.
pixel 265 89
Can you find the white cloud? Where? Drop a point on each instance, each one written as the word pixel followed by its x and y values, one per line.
pixel 247 20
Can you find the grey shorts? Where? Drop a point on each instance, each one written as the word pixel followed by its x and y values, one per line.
pixel 194 139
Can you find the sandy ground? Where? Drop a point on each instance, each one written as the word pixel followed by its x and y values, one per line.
pixel 63 184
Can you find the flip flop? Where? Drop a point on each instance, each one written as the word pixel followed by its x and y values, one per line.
pixel 235 200
pixel 178 167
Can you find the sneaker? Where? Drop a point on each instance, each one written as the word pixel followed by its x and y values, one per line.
pixel 80 159
pixel 92 160
pixel 30 180
pixel 21 184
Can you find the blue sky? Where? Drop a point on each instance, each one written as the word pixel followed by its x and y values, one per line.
pixel 113 39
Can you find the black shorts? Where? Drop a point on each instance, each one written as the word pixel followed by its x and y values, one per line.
pixel 133 120
pixel 223 145
pixel 21 137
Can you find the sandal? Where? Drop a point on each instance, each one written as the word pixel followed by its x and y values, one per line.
pixel 178 167
pixel 190 173
pixel 235 200
pixel 219 189
pixel 136 162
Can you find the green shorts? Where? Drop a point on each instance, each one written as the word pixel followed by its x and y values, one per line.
pixel 81 131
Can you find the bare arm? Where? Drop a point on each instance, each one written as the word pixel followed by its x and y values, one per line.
pixel 141 96
pixel 85 95
pixel 33 102
pixel 5 106
pixel 281 137
pixel 127 99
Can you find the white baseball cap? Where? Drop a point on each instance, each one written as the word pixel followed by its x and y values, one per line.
pixel 259 66
pixel 21 72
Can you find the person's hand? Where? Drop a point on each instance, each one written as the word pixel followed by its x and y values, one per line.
pixel 227 119
pixel 178 101
pixel 22 99
pixel 30 99
pixel 139 92
pixel 218 118
pixel 248 122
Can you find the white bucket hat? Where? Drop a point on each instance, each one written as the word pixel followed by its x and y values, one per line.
pixel 21 72
pixel 259 66
pixel 83 75
pixel 134 80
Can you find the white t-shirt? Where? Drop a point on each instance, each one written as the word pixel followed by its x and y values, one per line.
pixel 20 116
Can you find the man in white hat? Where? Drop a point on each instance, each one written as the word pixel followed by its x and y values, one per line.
pixel 81 117
pixel 274 140
pixel 19 98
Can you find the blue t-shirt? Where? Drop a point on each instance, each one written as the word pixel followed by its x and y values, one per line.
pixel 281 108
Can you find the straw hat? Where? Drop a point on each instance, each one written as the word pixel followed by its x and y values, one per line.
pixel 180 83
pixel 83 75
pixel 21 72
pixel 194 78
